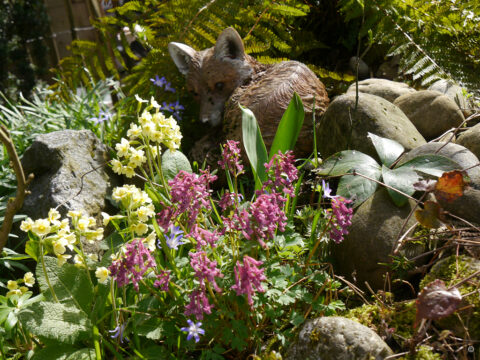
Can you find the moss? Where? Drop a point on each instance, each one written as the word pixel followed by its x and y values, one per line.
pixel 423 353
pixel 398 317
pixel 452 270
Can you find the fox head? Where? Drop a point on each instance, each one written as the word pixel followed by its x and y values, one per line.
pixel 213 74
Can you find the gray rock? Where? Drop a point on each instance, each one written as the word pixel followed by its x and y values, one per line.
pixel 389 69
pixel 337 338
pixel 461 155
pixel 363 70
pixel 471 139
pixel 431 112
pixel 376 226
pixel 342 127
pixel 455 93
pixel 387 89
pixel 70 170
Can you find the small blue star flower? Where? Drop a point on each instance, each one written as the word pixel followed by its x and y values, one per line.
pixel 193 330
pixel 118 332
pixel 159 81
pixel 174 240
pixel 326 190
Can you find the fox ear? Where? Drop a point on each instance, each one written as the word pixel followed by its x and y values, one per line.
pixel 229 45
pixel 182 56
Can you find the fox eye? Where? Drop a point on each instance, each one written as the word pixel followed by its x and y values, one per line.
pixel 219 86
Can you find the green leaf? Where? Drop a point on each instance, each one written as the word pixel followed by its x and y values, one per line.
pixel 70 283
pixel 296 318
pixel 32 248
pixel 434 165
pixel 254 146
pixel 64 352
pixel 388 150
pixel 151 328
pixel 56 321
pixel 289 127
pixel 173 162
pixel 357 187
pixel 402 179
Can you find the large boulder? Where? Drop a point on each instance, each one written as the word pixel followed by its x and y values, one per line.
pixel 471 140
pixel 337 338
pixel 455 93
pixel 365 253
pixel 387 89
pixel 431 112
pixel 344 127
pixel 71 173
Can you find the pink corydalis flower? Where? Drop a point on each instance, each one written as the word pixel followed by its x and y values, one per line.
pixel 341 218
pixel 132 265
pixel 281 173
pixel 190 193
pixel 198 304
pixel 231 157
pixel 204 237
pixel 205 269
pixel 248 278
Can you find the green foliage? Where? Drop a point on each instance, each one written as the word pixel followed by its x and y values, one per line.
pixel 173 162
pixel 361 174
pixel 420 32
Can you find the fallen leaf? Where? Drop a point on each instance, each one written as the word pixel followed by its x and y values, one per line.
pixel 436 301
pixel 427 185
pixel 450 186
pixel 430 215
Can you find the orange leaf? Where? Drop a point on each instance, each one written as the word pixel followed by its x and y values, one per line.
pixel 450 186
pixel 429 215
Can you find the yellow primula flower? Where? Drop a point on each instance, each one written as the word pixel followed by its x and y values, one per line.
pixel 62 259
pixel 26 225
pixel 59 246
pixel 74 214
pixel 53 216
pixel 41 227
pixel 134 131
pixel 12 285
pixel 150 241
pixel 140 229
pixel 83 223
pixel 128 171
pixel 102 274
pixel 137 157
pixel 23 289
pixel 122 147
pixel 145 212
pixel 116 166
pixel 28 279
pixel 14 292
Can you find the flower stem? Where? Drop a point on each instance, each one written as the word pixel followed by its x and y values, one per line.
pixel 46 275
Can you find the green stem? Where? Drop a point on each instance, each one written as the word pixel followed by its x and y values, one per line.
pixel 96 338
pixel 46 275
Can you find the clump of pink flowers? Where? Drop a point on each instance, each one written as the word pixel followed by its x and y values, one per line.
pixel 133 263
pixel 341 218
pixel 248 278
pixel 231 157
pixel 190 193
pixel 198 304
pixel 281 173
pixel 205 269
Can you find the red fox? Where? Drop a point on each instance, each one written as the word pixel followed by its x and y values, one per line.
pixel 224 76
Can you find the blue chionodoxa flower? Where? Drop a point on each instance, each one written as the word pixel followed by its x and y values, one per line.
pixel 102 116
pixel 117 333
pixel 327 191
pixel 193 330
pixel 174 240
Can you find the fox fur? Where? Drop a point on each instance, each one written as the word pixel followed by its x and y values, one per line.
pixel 224 76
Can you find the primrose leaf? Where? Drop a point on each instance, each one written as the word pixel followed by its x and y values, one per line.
pixel 401 179
pixel 64 352
pixel 56 321
pixel 173 162
pixel 388 150
pixel 70 283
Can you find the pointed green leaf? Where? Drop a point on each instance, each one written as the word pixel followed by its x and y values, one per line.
pixel 70 283
pixel 56 321
pixel 64 352
pixel 388 150
pixel 434 165
pixel 254 146
pixel 289 127
pixel 402 179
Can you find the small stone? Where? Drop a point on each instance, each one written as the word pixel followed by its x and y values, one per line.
pixel 387 89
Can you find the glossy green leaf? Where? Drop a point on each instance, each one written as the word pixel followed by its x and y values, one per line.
pixel 173 162
pixel 289 127
pixel 254 145
pixel 401 179
pixel 388 150
pixel 434 165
